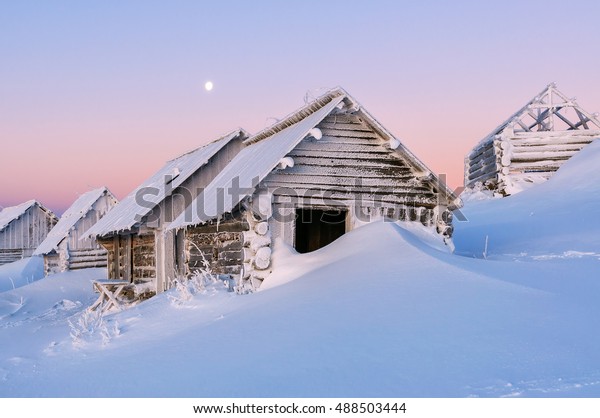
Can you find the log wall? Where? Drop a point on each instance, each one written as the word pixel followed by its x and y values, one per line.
pixel 221 245
pixel 352 166
pixel 511 158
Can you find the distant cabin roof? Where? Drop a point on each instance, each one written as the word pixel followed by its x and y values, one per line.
pixel 9 214
pixel 265 149
pixel 547 112
pixel 128 212
pixel 74 214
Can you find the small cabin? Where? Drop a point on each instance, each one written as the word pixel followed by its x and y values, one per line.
pixel 531 145
pixel 22 229
pixel 140 248
pixel 67 247
pixel 324 170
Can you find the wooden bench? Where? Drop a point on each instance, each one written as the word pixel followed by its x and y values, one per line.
pixel 109 290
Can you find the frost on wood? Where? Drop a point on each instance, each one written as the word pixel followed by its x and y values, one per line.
pixel 531 145
pixel 256 255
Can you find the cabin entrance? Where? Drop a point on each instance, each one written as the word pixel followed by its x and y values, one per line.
pixel 316 228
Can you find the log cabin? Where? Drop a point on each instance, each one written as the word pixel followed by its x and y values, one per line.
pixel 139 248
pixel 531 145
pixel 67 247
pixel 307 180
pixel 22 229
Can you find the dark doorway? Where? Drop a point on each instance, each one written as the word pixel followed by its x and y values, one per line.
pixel 315 228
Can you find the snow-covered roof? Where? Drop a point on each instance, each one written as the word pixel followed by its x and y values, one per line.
pixel 542 113
pixel 265 150
pixel 127 213
pixel 74 214
pixel 9 214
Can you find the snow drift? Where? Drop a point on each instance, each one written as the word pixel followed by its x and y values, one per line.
pixel 559 218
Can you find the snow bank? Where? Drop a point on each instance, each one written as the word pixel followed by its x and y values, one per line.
pixel 21 273
pixel 377 313
pixel 554 218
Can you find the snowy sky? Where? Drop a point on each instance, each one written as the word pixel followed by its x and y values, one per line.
pixel 103 93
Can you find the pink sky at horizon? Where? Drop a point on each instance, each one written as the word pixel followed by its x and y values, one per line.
pixel 104 95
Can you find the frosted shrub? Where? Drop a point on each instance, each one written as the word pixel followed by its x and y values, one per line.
pixel 202 280
pixel 90 326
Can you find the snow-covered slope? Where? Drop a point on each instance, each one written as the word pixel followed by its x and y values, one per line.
pixel 21 272
pixel 559 218
pixel 386 316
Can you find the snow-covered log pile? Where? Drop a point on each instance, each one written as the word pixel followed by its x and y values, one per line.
pixel 531 145
pixel 256 251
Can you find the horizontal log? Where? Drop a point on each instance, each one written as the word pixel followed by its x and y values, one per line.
pixel 339 133
pixel 226 226
pixel 480 148
pixel 328 139
pixel 552 165
pixel 346 201
pixel 332 124
pixel 489 153
pixel 87 252
pixel 481 163
pixel 309 190
pixel 342 161
pixel 342 118
pixel 544 156
pixel 485 149
pixel 349 171
pixel 287 180
pixel 482 178
pixel 583 133
pixel 376 154
pixel 84 258
pixel 79 266
pixel 547 147
pixel 339 146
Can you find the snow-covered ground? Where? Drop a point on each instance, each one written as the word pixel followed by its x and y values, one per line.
pixel 379 312
pixel 21 272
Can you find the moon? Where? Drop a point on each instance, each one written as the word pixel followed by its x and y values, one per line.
pixel 208 86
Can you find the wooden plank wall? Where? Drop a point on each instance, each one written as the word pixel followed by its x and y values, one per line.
pixel 351 150
pixel 131 257
pixel 27 232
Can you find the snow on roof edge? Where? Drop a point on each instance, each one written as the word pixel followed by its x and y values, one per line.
pixel 78 210
pixel 12 213
pixel 257 159
pixel 123 216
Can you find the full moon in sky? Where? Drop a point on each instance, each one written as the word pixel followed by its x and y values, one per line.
pixel 208 86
